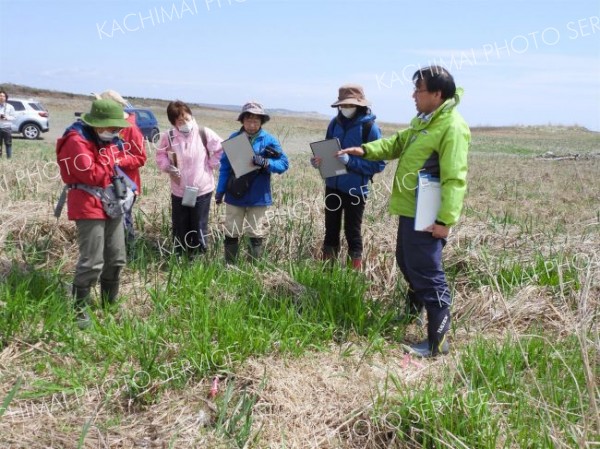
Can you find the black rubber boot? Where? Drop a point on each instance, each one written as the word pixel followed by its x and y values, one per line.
pixel 438 324
pixel 232 247
pixel 423 349
pixel 82 300
pixel 256 248
pixel 109 292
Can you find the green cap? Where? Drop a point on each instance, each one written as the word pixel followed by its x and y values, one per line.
pixel 106 114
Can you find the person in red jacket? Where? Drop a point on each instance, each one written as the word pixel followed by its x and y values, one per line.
pixel 87 159
pixel 132 157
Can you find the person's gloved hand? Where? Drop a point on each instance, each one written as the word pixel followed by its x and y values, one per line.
pixel 173 171
pixel 315 162
pixel 219 197
pixel 344 158
pixel 260 161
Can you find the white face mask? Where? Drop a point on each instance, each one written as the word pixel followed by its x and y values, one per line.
pixel 187 127
pixel 348 112
pixel 107 136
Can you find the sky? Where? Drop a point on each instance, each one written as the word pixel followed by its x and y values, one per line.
pixel 528 62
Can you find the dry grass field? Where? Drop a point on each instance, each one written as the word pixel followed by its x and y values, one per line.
pixel 307 356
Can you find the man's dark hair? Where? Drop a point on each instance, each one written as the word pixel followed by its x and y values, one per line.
pixel 176 109
pixel 5 94
pixel 436 78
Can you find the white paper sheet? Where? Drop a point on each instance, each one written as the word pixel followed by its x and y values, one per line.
pixel 429 199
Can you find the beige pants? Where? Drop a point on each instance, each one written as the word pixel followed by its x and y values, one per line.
pixel 251 221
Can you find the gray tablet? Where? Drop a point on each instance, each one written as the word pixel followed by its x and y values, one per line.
pixel 239 152
pixel 330 165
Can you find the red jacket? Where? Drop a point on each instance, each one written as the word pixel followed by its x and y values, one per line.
pixel 83 161
pixel 133 155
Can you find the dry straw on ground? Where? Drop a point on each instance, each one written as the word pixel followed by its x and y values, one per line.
pixel 321 400
pixel 517 208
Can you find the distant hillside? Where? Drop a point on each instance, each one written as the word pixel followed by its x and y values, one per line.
pixel 17 90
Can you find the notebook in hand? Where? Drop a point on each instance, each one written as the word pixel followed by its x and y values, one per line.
pixel 172 158
pixel 429 199
pixel 330 165
pixel 239 152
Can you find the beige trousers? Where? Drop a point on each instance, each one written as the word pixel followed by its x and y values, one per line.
pixel 251 221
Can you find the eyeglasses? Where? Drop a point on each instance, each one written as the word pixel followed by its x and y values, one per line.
pixel 416 91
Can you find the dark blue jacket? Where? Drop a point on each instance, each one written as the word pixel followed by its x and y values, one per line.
pixel 259 193
pixel 360 171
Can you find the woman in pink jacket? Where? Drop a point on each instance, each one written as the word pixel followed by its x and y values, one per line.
pixel 189 154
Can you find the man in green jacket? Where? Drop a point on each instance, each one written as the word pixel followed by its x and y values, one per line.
pixel 434 146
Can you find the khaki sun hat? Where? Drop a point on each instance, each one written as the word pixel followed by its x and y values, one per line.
pixel 105 114
pixel 351 94
pixel 111 95
pixel 253 107
pixel 115 96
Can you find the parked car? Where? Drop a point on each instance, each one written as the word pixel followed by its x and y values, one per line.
pixel 145 120
pixel 31 118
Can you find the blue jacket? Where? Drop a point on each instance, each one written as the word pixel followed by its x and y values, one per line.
pixel 360 171
pixel 259 193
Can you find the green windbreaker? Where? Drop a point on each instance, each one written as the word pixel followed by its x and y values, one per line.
pixel 437 147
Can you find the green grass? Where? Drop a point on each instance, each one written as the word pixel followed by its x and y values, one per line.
pixel 528 226
pixel 555 271
pixel 505 272
pixel 34 307
pixel 204 319
pixel 516 393
pixel 234 416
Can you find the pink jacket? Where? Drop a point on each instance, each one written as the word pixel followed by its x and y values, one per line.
pixel 195 163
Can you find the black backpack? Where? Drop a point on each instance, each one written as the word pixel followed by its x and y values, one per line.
pixel 366 130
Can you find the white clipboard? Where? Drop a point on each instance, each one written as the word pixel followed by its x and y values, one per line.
pixel 429 200
pixel 239 152
pixel 330 164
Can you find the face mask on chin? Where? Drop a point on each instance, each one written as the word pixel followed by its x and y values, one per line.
pixel 107 136
pixel 348 112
